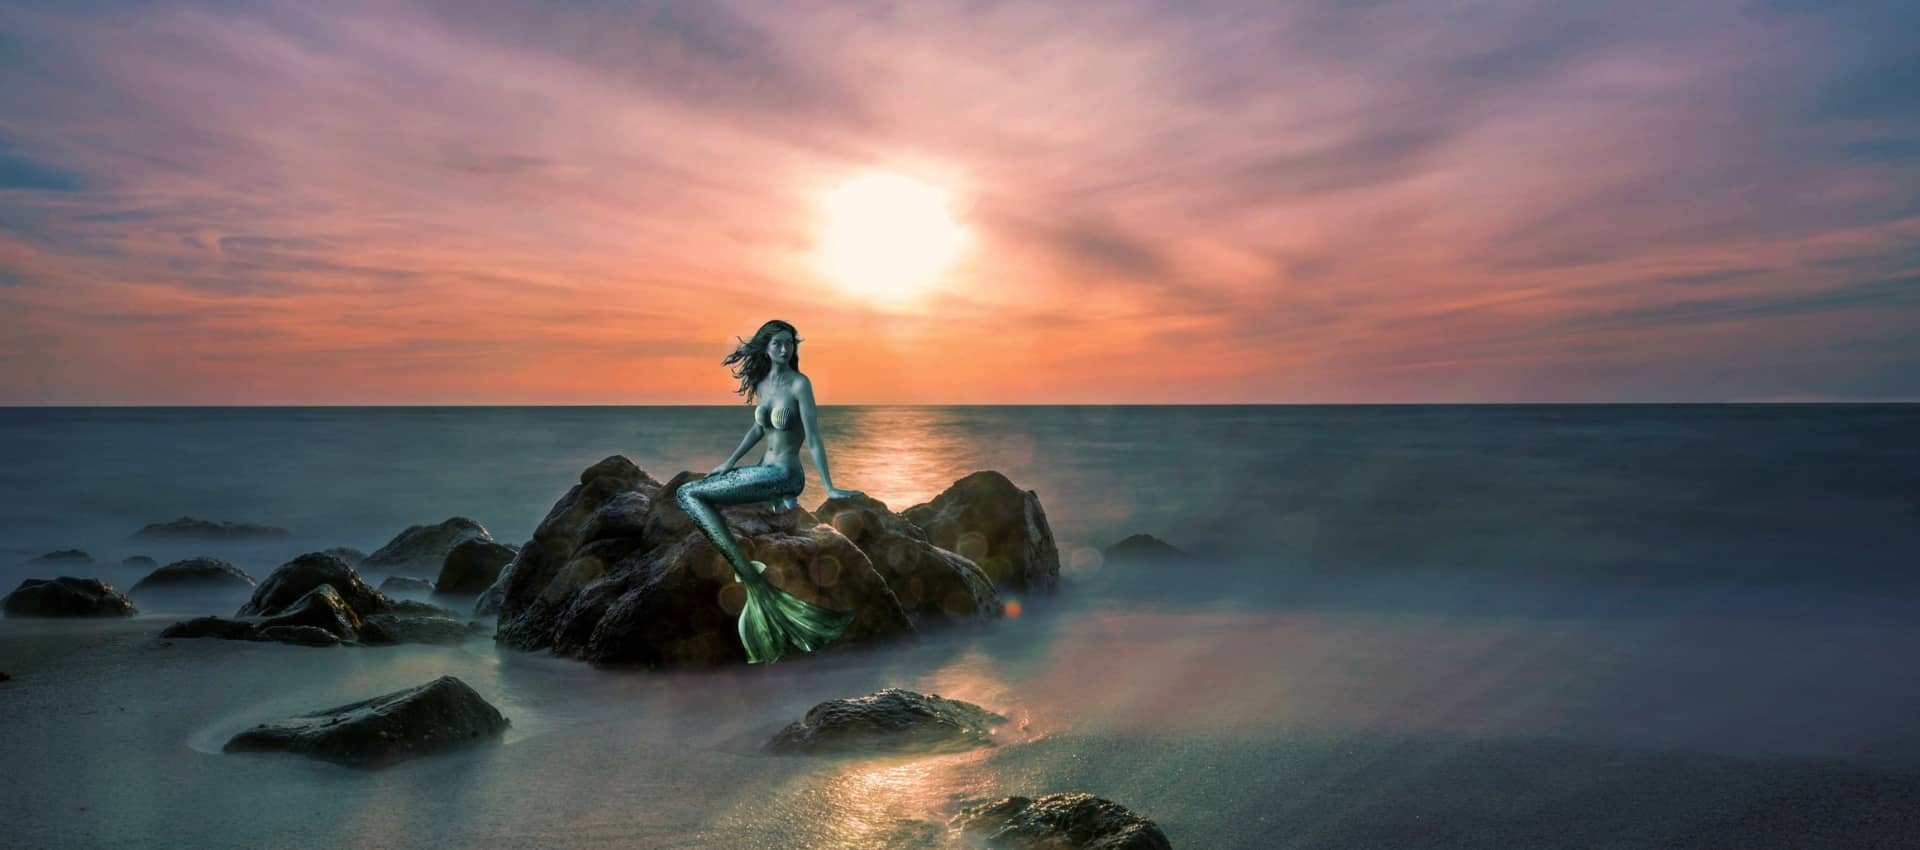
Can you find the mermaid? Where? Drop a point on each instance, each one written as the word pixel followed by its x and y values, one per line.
pixel 770 378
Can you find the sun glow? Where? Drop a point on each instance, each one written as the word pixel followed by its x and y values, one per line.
pixel 887 236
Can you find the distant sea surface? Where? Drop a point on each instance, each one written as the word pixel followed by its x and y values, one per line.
pixel 1820 494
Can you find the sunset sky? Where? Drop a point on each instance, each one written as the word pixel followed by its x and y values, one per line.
pixel 1152 202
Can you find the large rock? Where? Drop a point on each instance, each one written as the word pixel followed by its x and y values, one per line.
pixel 935 585
pixel 422 549
pixel 66 596
pixel 188 528
pixel 890 720
pixel 1059 822
pixel 618 574
pixel 991 522
pixel 472 566
pixel 195 574
pixel 440 715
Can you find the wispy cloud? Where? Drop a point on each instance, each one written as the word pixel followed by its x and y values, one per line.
pixel 1214 201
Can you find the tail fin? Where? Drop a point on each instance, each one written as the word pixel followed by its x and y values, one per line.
pixel 773 619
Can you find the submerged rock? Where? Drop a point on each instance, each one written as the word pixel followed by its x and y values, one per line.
pixel 472 566
pixel 422 549
pixel 890 720
pixel 991 522
pixel 300 635
pixel 63 557
pixel 189 528
pixel 440 715
pixel 140 562
pixel 213 627
pixel 395 627
pixel 1142 548
pixel 67 596
pixel 405 584
pixel 1059 822
pixel 195 574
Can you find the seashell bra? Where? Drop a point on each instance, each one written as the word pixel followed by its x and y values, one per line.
pixel 777 418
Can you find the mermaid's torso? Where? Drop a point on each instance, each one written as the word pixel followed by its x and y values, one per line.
pixel 785 432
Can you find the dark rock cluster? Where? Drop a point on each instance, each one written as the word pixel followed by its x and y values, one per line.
pixel 617 573
pixel 317 600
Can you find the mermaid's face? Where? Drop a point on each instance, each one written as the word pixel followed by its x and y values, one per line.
pixel 781 345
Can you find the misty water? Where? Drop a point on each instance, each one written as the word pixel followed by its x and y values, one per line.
pixel 1411 627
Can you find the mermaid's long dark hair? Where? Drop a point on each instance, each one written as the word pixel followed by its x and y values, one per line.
pixel 753 359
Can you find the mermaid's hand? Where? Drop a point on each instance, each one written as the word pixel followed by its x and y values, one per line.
pixel 725 467
pixel 837 493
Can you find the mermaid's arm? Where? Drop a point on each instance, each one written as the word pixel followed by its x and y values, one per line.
pixel 753 436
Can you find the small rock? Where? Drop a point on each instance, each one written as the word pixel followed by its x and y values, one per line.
pixel 64 557
pixel 1141 548
pixel 300 635
pixel 67 596
pixel 1059 822
pixel 195 573
pixel 295 578
pixel 890 720
pixel 422 549
pixel 440 715
pixel 213 627
pixel 189 528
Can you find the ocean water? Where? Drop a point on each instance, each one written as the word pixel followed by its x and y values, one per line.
pixel 1821 494
pixel 1536 626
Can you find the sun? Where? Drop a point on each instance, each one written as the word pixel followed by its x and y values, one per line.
pixel 887 236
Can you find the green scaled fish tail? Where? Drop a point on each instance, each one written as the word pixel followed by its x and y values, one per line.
pixel 773 619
